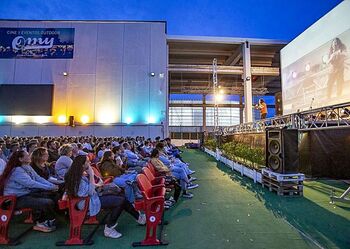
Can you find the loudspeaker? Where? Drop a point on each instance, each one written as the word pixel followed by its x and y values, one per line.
pixel 71 121
pixel 282 154
pixel 278 104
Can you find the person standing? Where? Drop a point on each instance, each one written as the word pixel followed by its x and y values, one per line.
pixel 263 108
pixel 336 58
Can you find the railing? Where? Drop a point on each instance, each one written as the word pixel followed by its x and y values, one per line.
pixel 334 116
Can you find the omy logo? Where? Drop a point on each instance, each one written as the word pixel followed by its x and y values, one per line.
pixel 19 42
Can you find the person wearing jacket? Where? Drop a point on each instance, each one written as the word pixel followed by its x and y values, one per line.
pixel 80 182
pixel 19 179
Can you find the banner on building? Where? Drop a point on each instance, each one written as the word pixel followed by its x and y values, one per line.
pixel 37 43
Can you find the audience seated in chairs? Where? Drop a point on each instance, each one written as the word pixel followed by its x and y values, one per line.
pixel 2 161
pixel 178 172
pixel 122 178
pixel 80 182
pixel 19 179
pixel 135 161
pixel 64 161
pixel 40 179
pixel 52 150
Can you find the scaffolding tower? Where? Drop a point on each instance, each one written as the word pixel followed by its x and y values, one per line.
pixel 216 91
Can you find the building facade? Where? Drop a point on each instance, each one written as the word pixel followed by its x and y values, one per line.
pixel 111 78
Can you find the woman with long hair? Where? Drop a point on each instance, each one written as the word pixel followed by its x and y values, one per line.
pixel 80 182
pixel 336 58
pixel 21 180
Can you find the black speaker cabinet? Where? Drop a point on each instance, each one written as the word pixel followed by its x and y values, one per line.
pixel 278 104
pixel 71 121
pixel 282 155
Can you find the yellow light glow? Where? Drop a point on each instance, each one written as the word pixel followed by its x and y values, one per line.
pixel 62 119
pixel 219 97
pixel 41 119
pixel 19 119
pixel 85 119
pixel 221 91
pixel 105 117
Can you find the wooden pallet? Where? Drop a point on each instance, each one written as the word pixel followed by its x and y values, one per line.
pixel 289 190
pixel 283 185
pixel 283 177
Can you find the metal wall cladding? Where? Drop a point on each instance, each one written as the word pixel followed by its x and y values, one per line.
pixel 109 76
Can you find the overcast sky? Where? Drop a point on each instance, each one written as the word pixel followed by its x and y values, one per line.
pixel 275 19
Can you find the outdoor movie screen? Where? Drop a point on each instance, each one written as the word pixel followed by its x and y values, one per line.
pixel 316 65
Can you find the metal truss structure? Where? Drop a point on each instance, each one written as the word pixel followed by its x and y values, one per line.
pixel 329 117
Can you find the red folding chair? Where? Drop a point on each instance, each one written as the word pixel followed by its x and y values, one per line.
pixel 153 205
pixel 153 179
pixel 7 210
pixel 77 218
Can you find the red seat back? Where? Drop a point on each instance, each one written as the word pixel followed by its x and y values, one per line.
pixel 144 185
pixel 148 174
pixel 152 169
pixel 7 207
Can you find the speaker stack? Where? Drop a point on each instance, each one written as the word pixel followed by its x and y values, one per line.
pixel 278 104
pixel 71 121
pixel 282 154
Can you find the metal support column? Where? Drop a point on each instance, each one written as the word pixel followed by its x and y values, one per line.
pixel 216 90
pixel 247 76
pixel 166 125
pixel 240 109
pixel 204 113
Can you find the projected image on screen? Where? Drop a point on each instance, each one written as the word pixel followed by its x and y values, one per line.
pixel 319 78
pixel 26 100
pixel 315 66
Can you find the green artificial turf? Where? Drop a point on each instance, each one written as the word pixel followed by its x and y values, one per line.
pixel 230 211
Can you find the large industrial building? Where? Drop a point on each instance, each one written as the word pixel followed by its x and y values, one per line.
pixel 128 78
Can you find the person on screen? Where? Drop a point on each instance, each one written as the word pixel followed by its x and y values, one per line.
pixel 262 107
pixel 336 58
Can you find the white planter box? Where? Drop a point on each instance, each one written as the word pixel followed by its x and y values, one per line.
pixel 237 167
pixel 248 172
pixel 245 171
pixel 259 177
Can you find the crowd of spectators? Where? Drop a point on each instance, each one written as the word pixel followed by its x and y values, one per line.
pixel 39 171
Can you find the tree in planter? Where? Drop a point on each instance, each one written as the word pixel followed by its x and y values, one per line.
pixel 243 153
pixel 210 144
pixel 228 150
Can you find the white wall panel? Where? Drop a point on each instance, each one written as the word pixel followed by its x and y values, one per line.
pixel 158 64
pixel 79 131
pixel 24 130
pixel 48 130
pixel 85 43
pixel 107 130
pixel 109 71
pixel 7 68
pixel 108 76
pixel 80 96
